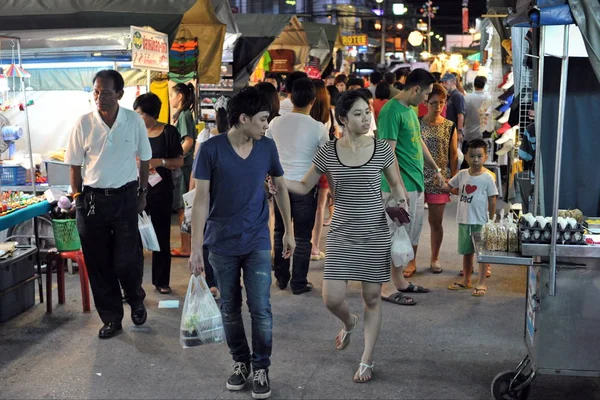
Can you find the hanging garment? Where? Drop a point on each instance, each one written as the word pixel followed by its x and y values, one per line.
pixel 263 66
pixel 282 60
pixel 161 89
pixel 177 78
pixel 183 54
pixel 185 45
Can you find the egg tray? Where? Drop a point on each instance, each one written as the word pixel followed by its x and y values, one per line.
pixel 542 235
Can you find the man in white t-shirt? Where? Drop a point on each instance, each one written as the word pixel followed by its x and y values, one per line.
pixel 102 152
pixel 286 106
pixel 298 137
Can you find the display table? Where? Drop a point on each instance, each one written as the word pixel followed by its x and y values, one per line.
pixel 29 212
pixel 22 215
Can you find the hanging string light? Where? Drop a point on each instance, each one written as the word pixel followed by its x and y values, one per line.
pixel 428 11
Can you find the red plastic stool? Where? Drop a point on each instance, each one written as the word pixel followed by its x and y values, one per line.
pixel 56 258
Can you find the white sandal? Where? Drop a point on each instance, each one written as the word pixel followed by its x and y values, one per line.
pixel 362 368
pixel 347 335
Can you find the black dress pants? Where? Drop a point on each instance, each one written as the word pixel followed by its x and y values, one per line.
pixel 159 209
pixel 110 240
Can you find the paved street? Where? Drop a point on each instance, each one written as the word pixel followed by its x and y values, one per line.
pixel 449 346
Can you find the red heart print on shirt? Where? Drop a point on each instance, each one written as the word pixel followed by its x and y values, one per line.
pixel 470 188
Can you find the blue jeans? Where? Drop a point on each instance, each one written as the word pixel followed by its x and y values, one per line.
pixel 257 281
pixel 303 209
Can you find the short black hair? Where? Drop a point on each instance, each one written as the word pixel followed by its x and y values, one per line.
pixel 367 93
pixel 477 144
pixel 437 76
pixel 345 103
pixel 419 77
pixel 334 94
pixel 480 82
pixel 149 103
pixel 399 85
pixel 340 78
pixel 401 72
pixel 273 75
pixel 247 101
pixel 390 78
pixel 382 91
pixel 303 92
pixel 222 121
pixel 293 77
pixel 356 82
pixel 114 76
pixel 375 77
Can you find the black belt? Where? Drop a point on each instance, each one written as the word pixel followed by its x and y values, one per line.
pixel 111 192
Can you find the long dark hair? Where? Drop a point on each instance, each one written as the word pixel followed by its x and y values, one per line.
pixel 268 90
pixel 189 98
pixel 320 111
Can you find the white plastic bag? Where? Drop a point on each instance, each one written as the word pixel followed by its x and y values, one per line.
pixel 149 239
pixel 402 251
pixel 188 201
pixel 201 320
pixel 461 157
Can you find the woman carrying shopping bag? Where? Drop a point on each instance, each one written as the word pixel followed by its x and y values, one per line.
pixel 358 242
pixel 167 155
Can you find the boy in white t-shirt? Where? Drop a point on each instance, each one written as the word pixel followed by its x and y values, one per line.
pixel 477 201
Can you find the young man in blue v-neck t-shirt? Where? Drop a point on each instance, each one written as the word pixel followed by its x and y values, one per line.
pixel 230 200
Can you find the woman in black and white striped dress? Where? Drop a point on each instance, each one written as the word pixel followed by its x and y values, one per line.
pixel 358 243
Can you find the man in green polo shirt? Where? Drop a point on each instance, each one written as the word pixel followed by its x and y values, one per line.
pixel 399 126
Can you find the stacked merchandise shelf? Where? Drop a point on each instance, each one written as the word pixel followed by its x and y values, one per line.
pixel 183 60
pixel 209 93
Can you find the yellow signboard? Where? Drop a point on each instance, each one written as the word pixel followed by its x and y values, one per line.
pixel 355 40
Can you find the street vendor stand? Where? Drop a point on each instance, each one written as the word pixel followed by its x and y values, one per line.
pixel 30 212
pixel 89 31
pixel 562 327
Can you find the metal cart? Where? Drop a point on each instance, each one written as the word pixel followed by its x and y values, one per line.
pixel 562 328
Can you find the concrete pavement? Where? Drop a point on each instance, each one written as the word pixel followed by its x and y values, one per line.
pixel 449 346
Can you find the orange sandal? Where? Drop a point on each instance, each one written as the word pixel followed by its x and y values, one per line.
pixel 177 253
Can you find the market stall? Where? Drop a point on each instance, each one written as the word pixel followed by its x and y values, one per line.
pixel 561 249
pixel 320 52
pixel 281 36
pixel 67 33
pixel 17 207
pixel 216 30
pixel 334 41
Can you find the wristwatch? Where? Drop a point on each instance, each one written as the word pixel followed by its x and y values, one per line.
pixel 163 162
pixel 143 190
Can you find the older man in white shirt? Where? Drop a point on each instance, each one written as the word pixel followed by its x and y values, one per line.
pixel 102 152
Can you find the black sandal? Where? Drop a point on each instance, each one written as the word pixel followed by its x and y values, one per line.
pixel 414 289
pixel 399 299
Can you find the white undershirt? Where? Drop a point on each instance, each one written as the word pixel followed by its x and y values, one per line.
pixel 297 137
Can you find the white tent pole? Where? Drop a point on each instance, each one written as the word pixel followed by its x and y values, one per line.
pixel 28 128
pixel 562 99
pixel 537 208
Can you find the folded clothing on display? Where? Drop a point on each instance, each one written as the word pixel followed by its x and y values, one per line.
pixel 183 60
pixel 504 128
pixel 173 53
pixel 506 136
pixel 503 118
pixel 504 96
pixel 506 147
pixel 503 107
